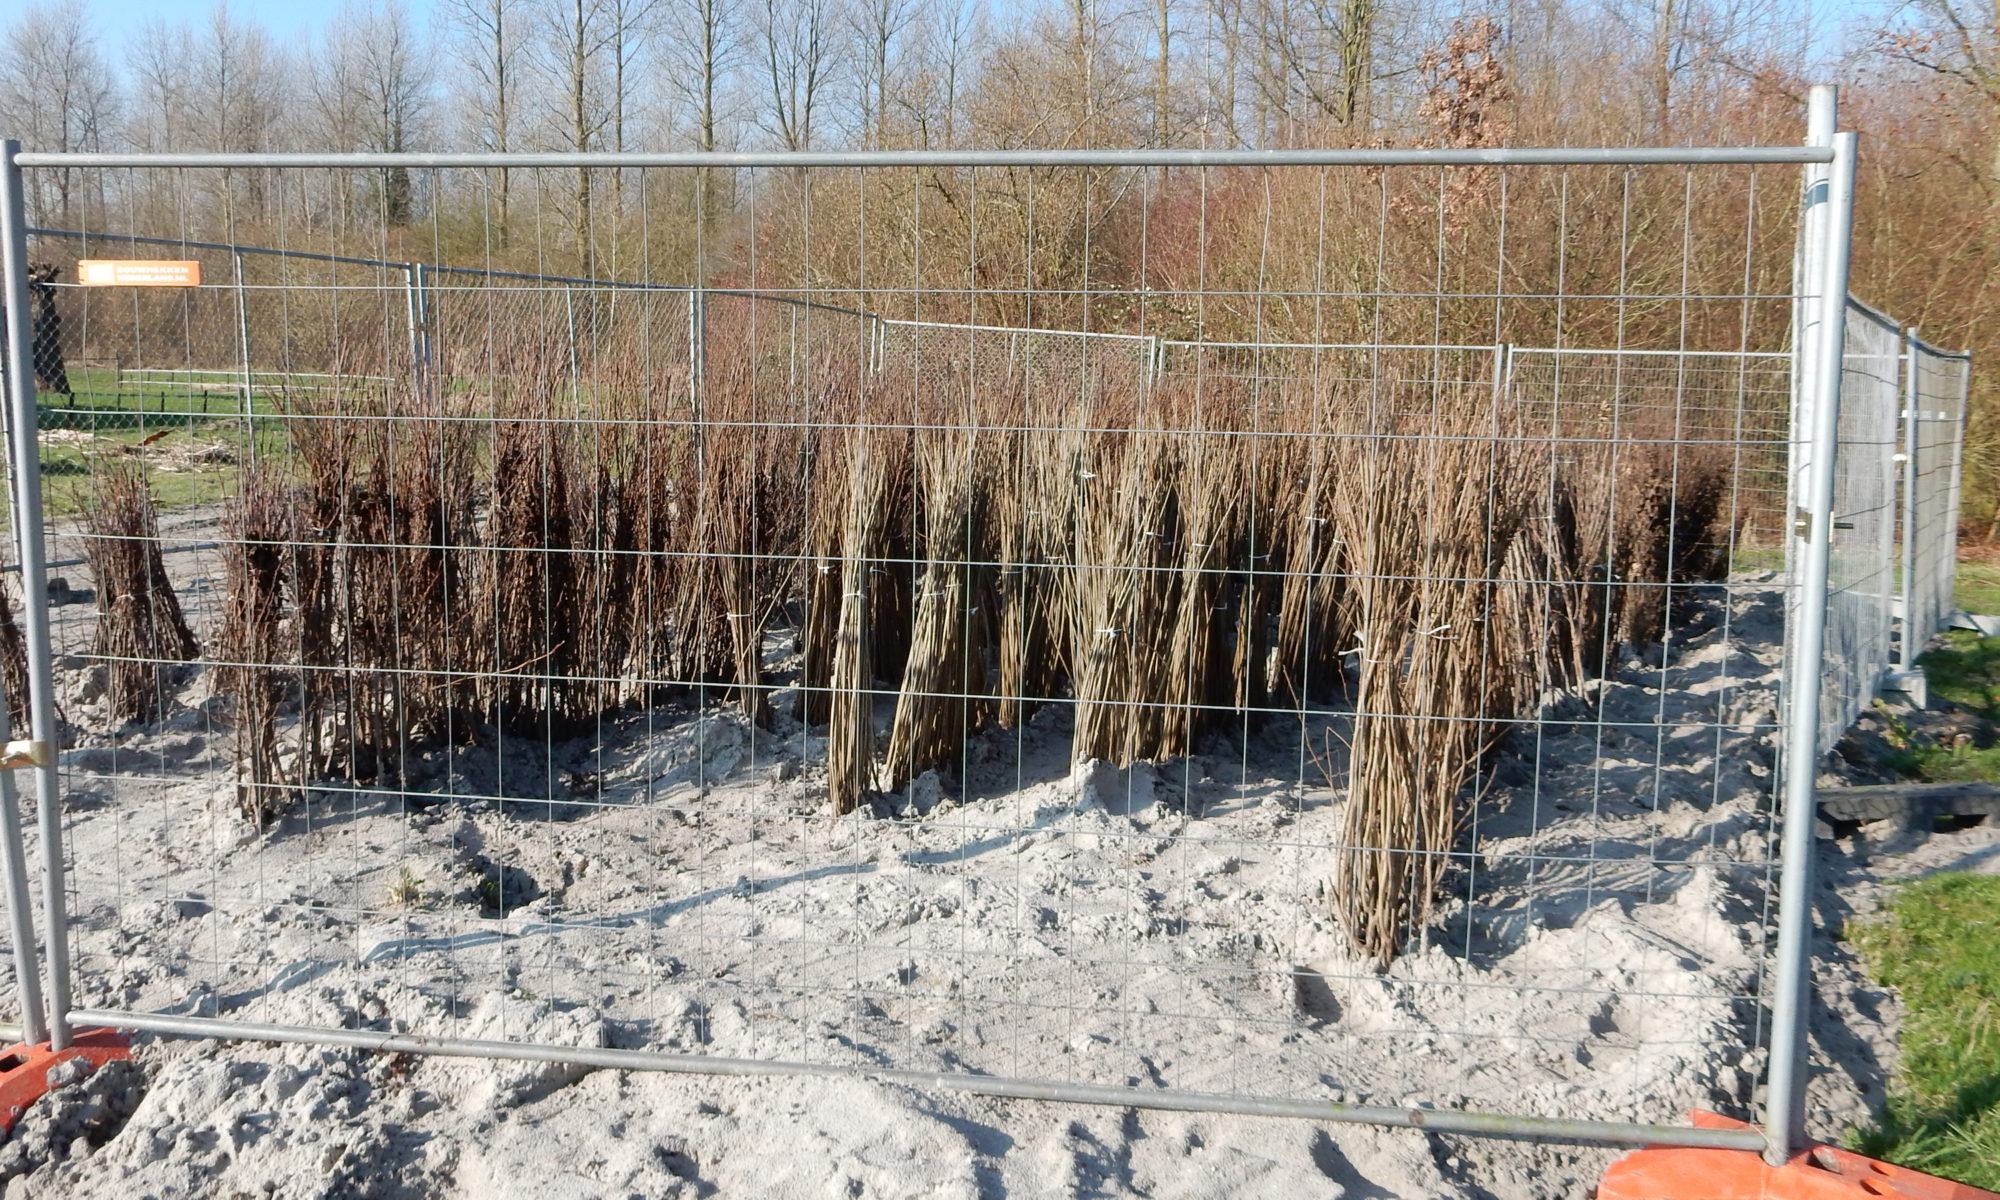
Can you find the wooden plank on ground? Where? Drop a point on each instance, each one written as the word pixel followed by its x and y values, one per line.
pixel 1910 804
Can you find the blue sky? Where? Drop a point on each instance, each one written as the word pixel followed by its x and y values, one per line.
pixel 285 19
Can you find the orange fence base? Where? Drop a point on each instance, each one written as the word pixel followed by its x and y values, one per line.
pixel 1819 1173
pixel 24 1070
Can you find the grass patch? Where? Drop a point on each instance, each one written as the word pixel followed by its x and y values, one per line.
pixel 1978 585
pixel 1966 671
pixel 1939 945
pixel 157 418
pixel 99 393
pixel 1963 668
pixel 1944 764
pixel 176 478
pixel 68 467
pixel 1758 558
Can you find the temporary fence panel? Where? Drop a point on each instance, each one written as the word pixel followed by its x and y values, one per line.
pixel 775 661
pixel 1862 574
pixel 1934 400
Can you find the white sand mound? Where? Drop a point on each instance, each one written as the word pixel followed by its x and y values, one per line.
pixel 670 881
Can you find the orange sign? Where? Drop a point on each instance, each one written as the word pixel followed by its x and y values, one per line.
pixel 138 272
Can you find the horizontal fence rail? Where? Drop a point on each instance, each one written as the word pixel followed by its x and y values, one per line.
pixel 1427 1119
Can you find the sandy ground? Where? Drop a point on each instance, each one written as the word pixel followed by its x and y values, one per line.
pixel 670 881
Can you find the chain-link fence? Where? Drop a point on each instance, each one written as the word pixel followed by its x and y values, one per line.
pixel 708 671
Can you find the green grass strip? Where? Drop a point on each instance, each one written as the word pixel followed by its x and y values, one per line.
pixel 1938 943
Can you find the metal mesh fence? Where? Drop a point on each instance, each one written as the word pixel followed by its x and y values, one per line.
pixel 1862 571
pixel 1720 402
pixel 1937 384
pixel 726 670
pixel 998 361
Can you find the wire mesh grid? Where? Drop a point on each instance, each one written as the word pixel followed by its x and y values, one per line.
pixel 1735 401
pixel 1862 563
pixel 1934 425
pixel 716 663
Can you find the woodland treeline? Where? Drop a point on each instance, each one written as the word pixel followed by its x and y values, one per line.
pixel 1176 253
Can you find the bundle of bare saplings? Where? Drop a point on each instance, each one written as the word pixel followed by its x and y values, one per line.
pixel 141 637
pixel 956 542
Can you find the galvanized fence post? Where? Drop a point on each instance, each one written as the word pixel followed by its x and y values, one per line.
pixel 697 353
pixel 1886 462
pixel 1962 415
pixel 413 309
pixel 1907 650
pixel 1808 263
pixel 1810 540
pixel 19 342
pixel 243 339
pixel 41 686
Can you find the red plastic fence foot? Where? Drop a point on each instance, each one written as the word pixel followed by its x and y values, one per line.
pixel 1818 1173
pixel 24 1070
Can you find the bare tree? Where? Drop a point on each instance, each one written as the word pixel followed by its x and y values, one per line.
pixel 1661 43
pixel 942 61
pixel 235 100
pixel 878 27
pixel 1357 31
pixel 156 113
pixel 366 86
pixel 1226 21
pixel 56 93
pixel 578 37
pixel 486 38
pixel 1317 59
pixel 700 45
pixel 1669 45
pixel 793 42
pixel 395 85
pixel 1101 71
pixel 700 48
pixel 236 85
pixel 630 21
pixel 333 111
pixel 1958 41
pixel 157 116
pixel 1085 34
